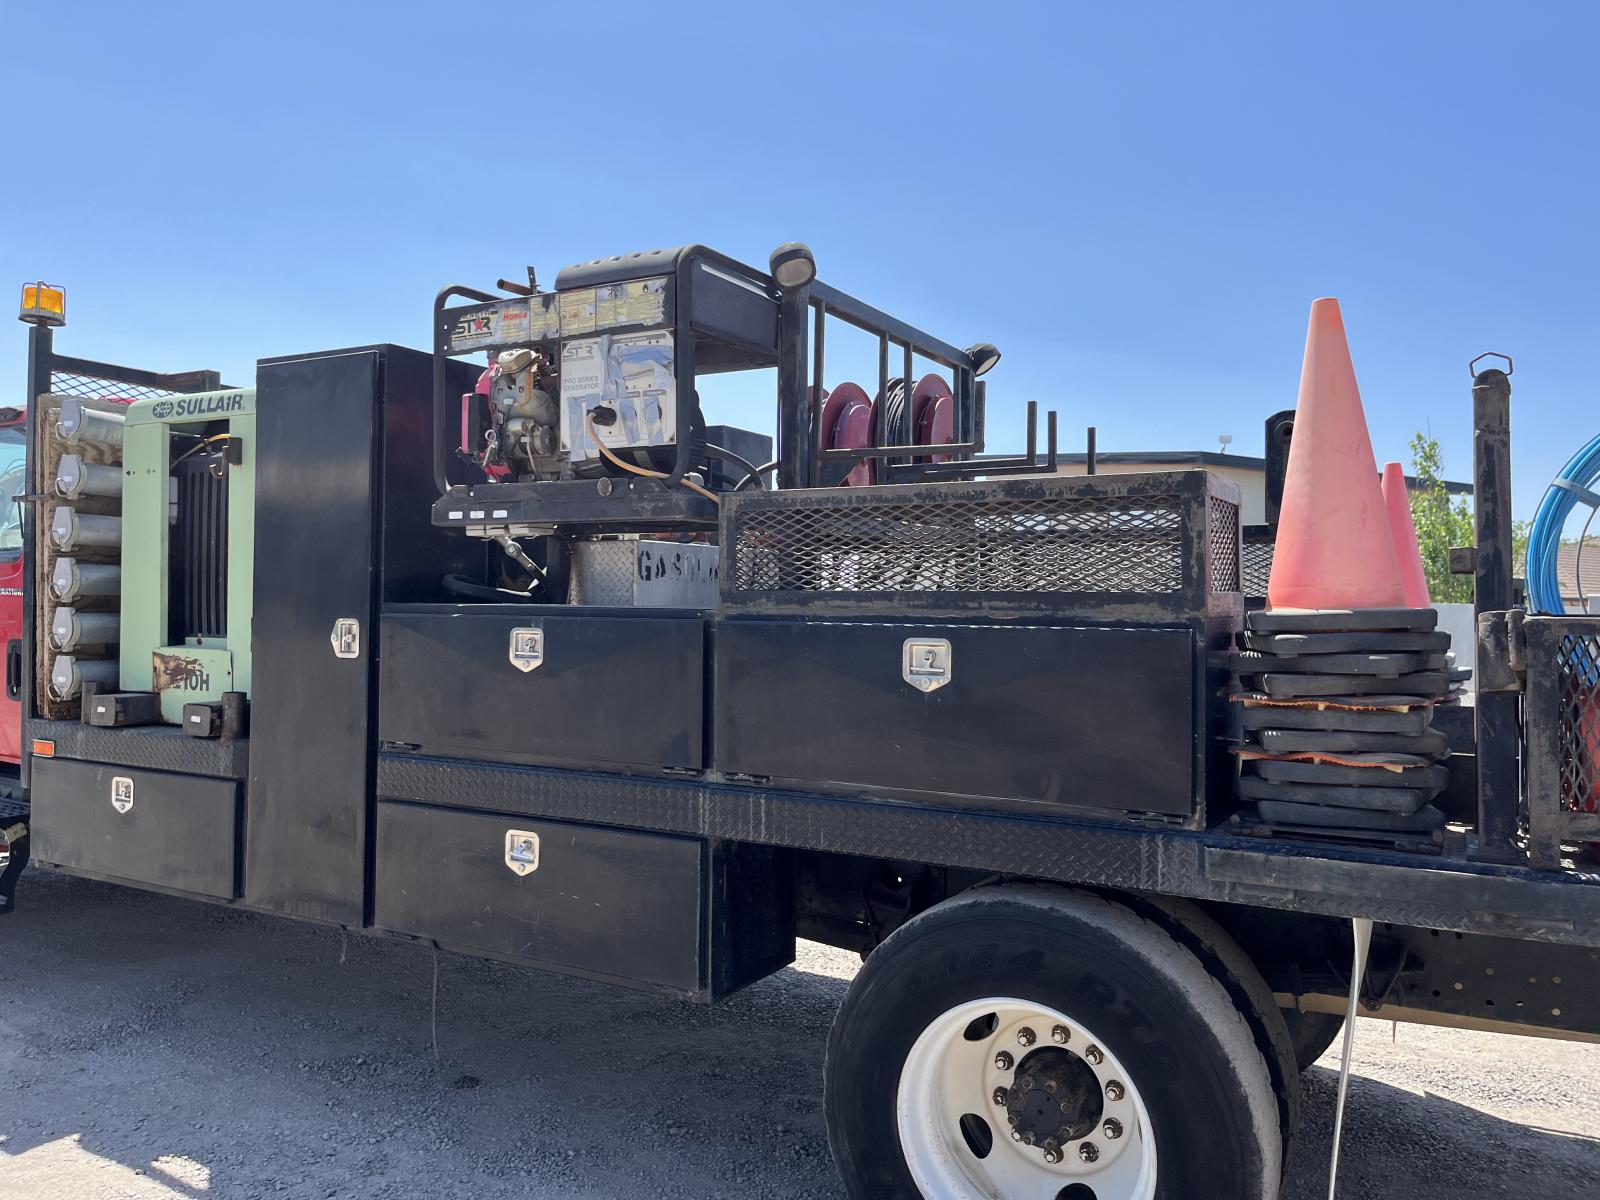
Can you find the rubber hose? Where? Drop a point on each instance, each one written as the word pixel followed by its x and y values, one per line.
pixel 1576 482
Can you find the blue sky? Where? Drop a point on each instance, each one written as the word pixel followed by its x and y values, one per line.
pixel 1136 202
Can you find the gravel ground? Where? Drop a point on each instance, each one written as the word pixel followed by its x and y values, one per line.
pixel 158 1048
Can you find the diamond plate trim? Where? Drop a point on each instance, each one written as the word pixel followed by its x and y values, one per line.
pixel 152 747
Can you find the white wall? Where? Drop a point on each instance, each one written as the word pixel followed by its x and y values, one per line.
pixel 1457 621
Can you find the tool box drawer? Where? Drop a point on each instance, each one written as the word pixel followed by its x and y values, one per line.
pixel 1086 716
pixel 151 827
pixel 512 683
pixel 628 907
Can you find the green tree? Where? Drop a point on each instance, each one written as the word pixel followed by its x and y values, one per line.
pixel 1443 522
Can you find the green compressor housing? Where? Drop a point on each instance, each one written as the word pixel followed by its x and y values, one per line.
pixel 188 524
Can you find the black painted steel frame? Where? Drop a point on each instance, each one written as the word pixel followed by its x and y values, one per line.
pixel 1498 714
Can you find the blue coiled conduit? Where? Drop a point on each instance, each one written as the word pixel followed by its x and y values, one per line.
pixel 1576 484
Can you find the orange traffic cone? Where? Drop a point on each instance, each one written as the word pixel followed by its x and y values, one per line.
pixel 1403 529
pixel 1334 548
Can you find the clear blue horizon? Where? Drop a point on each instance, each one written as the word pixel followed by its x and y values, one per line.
pixel 1138 203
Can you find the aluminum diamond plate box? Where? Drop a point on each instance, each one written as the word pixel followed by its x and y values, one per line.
pixel 632 572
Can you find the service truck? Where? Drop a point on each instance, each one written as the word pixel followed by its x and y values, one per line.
pixel 501 647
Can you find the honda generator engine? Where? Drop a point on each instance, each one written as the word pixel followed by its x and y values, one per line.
pixel 523 439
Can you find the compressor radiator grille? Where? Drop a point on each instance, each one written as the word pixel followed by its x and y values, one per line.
pixel 199 549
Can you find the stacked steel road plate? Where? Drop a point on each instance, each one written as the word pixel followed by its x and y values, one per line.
pixel 1337 710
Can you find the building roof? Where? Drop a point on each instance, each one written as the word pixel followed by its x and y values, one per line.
pixel 1567 569
pixel 1210 458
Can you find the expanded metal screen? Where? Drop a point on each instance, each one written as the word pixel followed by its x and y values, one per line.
pixel 1222 533
pixel 964 546
pixel 1561 756
pixel 1163 537
pixel 1257 564
pixel 1578 674
pixel 90 387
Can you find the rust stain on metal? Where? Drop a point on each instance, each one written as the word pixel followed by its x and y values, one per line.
pixel 174 671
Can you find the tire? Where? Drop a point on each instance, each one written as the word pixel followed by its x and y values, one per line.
pixel 1192 1097
pixel 1225 959
pixel 1312 1033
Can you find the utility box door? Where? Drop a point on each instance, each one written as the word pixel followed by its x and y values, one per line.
pixel 310 778
pixel 599 901
pixel 1081 716
pixel 179 832
pixel 537 684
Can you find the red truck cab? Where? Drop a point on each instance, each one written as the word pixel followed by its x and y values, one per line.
pixel 13 486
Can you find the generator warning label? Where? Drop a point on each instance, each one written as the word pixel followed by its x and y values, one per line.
pixel 544 317
pixel 578 312
pixel 639 302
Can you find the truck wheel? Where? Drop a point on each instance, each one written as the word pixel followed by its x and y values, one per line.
pixel 1227 962
pixel 1039 1043
pixel 1312 1033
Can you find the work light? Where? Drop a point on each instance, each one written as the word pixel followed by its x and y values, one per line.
pixel 792 265
pixel 984 355
pixel 43 304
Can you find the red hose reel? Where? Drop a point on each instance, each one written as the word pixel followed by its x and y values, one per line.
pixel 850 421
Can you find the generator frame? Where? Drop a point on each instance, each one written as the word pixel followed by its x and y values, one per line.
pixel 723 316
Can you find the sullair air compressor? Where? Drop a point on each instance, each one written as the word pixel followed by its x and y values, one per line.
pixel 188 517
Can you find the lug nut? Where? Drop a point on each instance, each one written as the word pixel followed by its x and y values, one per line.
pixel 1095 1055
pixel 1050 1086
pixel 1026 1083
pixel 1112 1129
pixel 1115 1090
pixel 1060 1035
pixel 1003 1061
pixel 999 1095
pixel 1026 1036
pixel 1013 1118
pixel 1027 1139
pixel 1052 1157
pixel 1016 1135
pixel 1089 1152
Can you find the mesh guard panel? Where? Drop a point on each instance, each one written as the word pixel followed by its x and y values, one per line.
pixel 1060 545
pixel 89 387
pixel 1578 667
pixel 1222 543
pixel 1257 565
